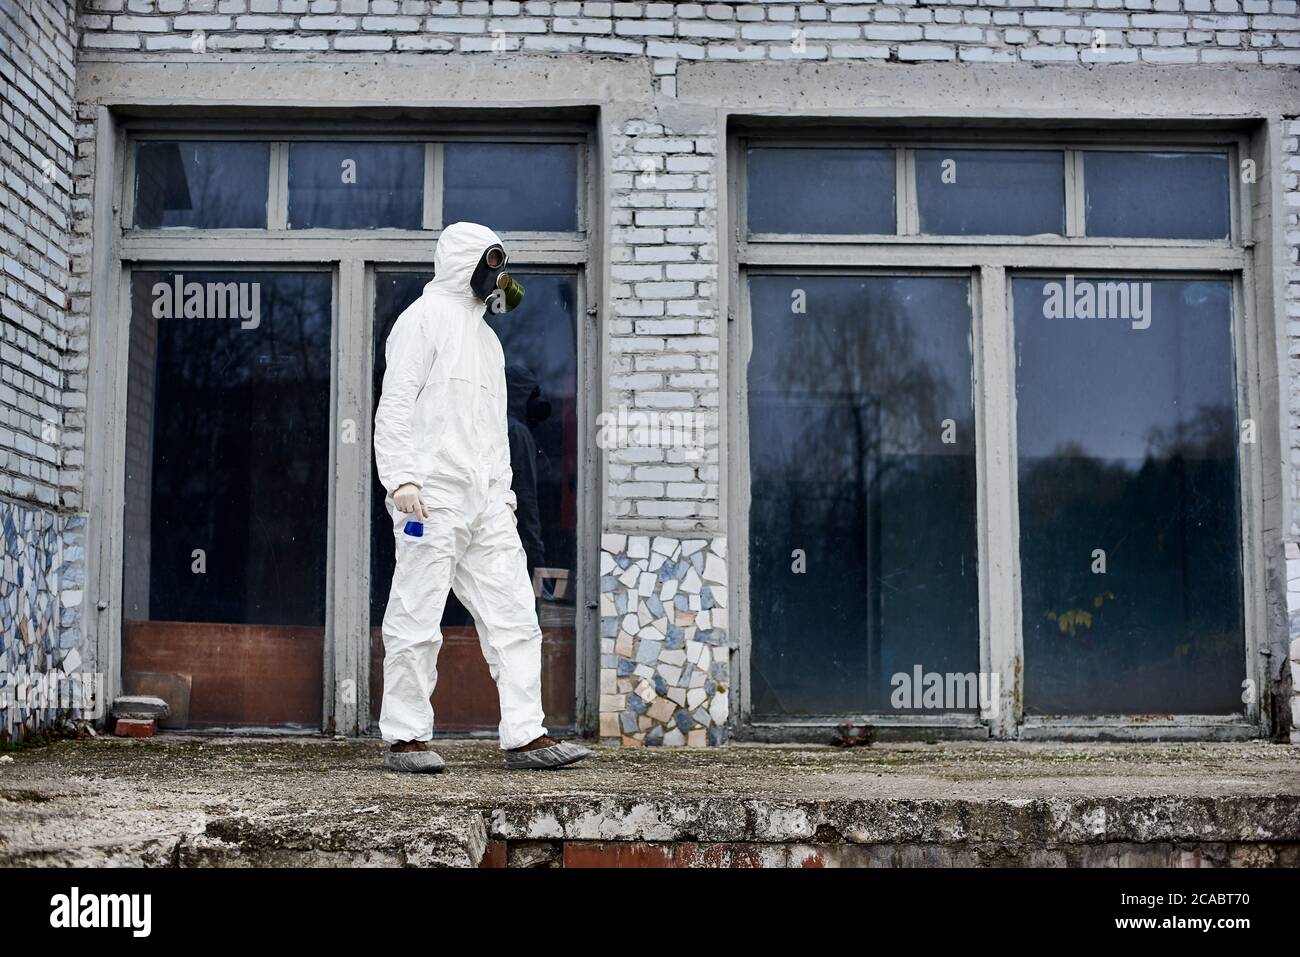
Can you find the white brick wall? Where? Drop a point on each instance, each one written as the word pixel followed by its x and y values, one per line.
pixel 37 47
pixel 663 329
pixel 1064 31
pixel 40 425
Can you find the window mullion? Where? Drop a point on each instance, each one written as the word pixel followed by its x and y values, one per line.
pixel 1074 196
pixel 908 218
pixel 432 218
pixel 347 670
pixel 1000 642
pixel 277 202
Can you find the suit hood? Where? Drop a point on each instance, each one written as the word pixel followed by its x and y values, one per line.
pixel 459 249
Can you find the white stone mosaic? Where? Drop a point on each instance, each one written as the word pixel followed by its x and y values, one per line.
pixel 665 651
pixel 33 645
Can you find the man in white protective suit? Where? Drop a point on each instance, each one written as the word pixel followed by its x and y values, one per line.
pixel 443 455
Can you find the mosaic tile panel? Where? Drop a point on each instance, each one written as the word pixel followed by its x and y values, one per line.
pixel 665 652
pixel 38 651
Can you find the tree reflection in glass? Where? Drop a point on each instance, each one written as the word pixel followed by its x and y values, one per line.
pixel 228 450
pixel 862 515
pixel 1129 510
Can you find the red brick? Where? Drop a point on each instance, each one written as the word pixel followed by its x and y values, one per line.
pixel 618 854
pixel 660 854
pixel 494 855
pixel 135 728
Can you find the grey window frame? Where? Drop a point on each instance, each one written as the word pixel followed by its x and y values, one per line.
pixel 992 261
pixel 352 257
pixel 280 136
pixel 907 217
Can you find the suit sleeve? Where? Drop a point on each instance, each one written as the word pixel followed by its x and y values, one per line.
pixel 409 354
pixel 502 476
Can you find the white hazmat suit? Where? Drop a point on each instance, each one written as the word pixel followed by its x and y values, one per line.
pixel 441 425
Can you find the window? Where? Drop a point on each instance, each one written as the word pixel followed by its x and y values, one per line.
pixel 803 190
pixel 988 435
pixel 347 183
pixel 964 189
pixel 227 487
pixel 201 185
pixel 990 192
pixel 356 185
pixel 862 499
pixel 540 343
pixel 252 564
pixel 519 187
pixel 1129 541
pixel 1171 194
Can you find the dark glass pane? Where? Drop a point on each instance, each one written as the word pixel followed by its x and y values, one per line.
pixel 539 340
pixel 990 192
pixel 511 186
pixel 201 185
pixel 811 190
pixel 227 495
pixel 350 185
pixel 1128 455
pixel 850 407
pixel 1157 195
pixel 229 449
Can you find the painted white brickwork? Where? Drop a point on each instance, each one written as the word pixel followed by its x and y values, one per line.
pixel 663 331
pixel 1072 31
pixel 42 380
pixel 37 47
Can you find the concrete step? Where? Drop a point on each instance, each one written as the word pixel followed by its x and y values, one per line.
pixel 188 800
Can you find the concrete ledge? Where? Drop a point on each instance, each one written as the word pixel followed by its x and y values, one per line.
pixel 1062 94
pixel 198 802
pixel 369 838
pixel 688 854
pixel 1038 822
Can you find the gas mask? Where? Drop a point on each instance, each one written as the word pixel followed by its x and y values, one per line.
pixel 491 283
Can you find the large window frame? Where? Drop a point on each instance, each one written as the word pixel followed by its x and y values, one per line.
pixel 353 257
pixel 991 262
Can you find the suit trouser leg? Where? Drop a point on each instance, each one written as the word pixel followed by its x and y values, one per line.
pixel 412 630
pixel 491 580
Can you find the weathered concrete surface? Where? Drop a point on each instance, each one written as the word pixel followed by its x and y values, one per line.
pixel 198 801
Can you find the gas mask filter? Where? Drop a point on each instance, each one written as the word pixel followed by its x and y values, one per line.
pixel 491 283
